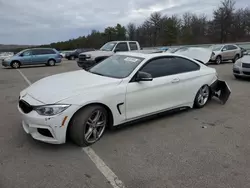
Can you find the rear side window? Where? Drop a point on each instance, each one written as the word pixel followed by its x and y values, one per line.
pixel 133 46
pixel 48 51
pixel 169 66
pixel 43 51
pixel 232 47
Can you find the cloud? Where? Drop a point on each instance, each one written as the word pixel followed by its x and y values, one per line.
pixel 46 21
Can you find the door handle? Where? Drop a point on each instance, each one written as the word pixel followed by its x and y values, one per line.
pixel 175 80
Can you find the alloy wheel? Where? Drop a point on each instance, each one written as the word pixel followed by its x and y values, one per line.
pixel 95 126
pixel 203 95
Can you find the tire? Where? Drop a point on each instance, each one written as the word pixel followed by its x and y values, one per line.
pixel 51 62
pixel 72 58
pixel 236 58
pixel 202 97
pixel 15 64
pixel 81 124
pixel 218 60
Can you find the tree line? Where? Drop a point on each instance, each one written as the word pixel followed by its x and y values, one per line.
pixel 227 24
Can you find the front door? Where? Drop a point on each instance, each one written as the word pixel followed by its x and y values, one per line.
pixel 26 57
pixel 174 85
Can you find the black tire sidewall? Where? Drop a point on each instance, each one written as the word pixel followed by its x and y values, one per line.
pixel 78 124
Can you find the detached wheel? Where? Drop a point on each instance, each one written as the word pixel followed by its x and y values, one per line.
pixel 218 60
pixel 15 64
pixel 88 125
pixel 51 62
pixel 202 97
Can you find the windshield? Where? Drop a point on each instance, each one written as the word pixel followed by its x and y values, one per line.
pixel 216 47
pixel 117 66
pixel 108 46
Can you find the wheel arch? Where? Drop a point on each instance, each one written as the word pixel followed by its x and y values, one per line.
pixel 51 59
pixel 110 115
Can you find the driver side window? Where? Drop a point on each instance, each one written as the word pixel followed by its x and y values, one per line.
pixel 122 47
pixel 225 48
pixel 27 53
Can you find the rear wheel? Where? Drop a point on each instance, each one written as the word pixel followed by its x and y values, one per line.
pixel 15 64
pixel 88 125
pixel 51 62
pixel 202 97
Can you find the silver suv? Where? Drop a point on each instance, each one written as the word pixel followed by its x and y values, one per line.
pixel 225 52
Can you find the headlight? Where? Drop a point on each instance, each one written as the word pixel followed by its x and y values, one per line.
pixel 238 63
pixel 88 55
pixel 50 110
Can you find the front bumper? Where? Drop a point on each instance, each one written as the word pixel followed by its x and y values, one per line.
pixel 240 71
pixel 49 129
pixel 5 64
pixel 86 64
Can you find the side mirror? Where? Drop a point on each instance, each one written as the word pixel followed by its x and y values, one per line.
pixel 223 49
pixel 21 55
pixel 143 76
pixel 116 50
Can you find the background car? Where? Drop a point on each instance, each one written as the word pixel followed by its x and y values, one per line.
pixel 241 67
pixel 225 52
pixel 48 56
pixel 74 54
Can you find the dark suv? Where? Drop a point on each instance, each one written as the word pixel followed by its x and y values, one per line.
pixel 74 54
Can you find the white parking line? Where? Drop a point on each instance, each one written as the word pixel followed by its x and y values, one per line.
pixel 102 167
pixel 25 78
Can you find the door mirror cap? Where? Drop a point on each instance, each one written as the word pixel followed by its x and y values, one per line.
pixel 21 55
pixel 143 76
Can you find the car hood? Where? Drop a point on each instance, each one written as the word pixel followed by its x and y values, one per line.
pixel 198 53
pixel 54 89
pixel 245 59
pixel 99 53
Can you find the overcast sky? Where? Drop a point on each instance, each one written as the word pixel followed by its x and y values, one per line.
pixel 46 21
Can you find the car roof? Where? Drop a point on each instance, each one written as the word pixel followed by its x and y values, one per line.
pixel 149 55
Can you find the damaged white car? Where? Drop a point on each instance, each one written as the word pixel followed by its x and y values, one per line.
pixel 122 88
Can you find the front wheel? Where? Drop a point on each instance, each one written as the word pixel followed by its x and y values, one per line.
pixel 88 125
pixel 15 64
pixel 202 97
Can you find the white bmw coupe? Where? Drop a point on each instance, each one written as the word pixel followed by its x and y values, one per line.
pixel 124 87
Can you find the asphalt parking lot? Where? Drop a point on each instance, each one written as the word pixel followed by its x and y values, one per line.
pixel 195 149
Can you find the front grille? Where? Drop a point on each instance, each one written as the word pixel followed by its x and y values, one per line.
pixel 25 107
pixel 246 73
pixel 245 65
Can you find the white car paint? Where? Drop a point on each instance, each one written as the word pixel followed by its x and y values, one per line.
pixel 138 99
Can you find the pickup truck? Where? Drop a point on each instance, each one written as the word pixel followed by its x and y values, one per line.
pixel 91 58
